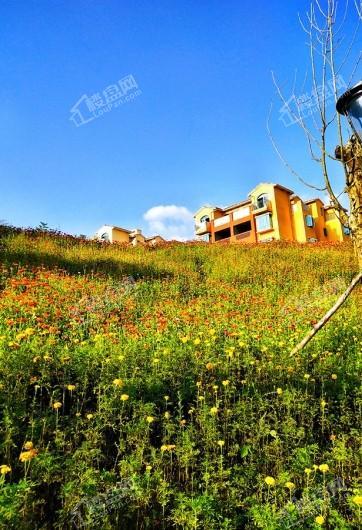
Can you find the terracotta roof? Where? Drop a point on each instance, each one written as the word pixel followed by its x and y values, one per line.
pixel 236 205
pixel 154 237
pixel 119 228
pixel 284 188
pixel 313 200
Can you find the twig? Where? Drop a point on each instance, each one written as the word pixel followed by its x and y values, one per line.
pixel 328 315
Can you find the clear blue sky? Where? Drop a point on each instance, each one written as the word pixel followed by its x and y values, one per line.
pixel 195 135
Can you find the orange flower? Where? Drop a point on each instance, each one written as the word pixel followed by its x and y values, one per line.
pixel 26 456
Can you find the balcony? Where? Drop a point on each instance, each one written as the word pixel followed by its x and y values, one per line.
pixel 202 228
pixel 243 235
pixel 221 221
pixel 223 235
pixel 259 208
pixel 241 213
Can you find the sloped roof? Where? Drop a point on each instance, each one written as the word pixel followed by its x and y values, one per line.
pixel 114 227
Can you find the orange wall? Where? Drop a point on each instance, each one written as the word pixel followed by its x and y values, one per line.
pixel 282 199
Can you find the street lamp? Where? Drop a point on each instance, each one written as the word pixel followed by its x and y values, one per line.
pixel 350 105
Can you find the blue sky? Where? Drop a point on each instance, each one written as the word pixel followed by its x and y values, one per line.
pixel 195 134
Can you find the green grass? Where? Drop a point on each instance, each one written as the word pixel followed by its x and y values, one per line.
pixel 167 403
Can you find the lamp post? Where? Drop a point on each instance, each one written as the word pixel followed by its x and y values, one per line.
pixel 350 154
pixel 349 105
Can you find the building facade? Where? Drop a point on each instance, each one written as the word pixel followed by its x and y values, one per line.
pixel 116 234
pixel 271 212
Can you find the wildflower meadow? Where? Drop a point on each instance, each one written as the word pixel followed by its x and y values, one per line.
pixel 153 388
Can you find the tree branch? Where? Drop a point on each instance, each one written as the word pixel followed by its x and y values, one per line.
pixel 328 315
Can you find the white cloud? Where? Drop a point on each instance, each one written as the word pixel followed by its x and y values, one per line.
pixel 171 222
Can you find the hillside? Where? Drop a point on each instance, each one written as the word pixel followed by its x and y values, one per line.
pixel 153 388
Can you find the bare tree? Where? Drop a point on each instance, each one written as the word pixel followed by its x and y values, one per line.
pixel 322 126
pixel 358 4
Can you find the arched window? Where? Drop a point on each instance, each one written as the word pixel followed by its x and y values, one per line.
pixel 105 236
pixel 205 219
pixel 262 200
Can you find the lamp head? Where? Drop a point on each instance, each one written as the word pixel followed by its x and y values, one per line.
pixel 350 105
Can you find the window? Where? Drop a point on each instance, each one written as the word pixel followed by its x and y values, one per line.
pixel 204 219
pixel 105 236
pixel 309 221
pixel 205 237
pixel 262 200
pixel 263 222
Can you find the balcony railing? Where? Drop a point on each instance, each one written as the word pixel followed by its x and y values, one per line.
pixel 220 221
pixel 243 235
pixel 202 228
pixel 242 212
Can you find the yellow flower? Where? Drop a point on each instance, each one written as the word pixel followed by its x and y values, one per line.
pixel 319 519
pixel 357 499
pixel 124 397
pixel 209 366
pixel 148 468
pixel 167 415
pixel 214 411
pixel 226 382
pixel 184 339
pixel 71 388
pixel 334 376
pixel 290 485
pixel 25 456
pixel 306 376
pixel 182 422
pixel 215 387
pixel 89 416
pixel 273 433
pixel 4 469
pixel 166 398
pixel 28 445
pixel 279 391
pixel 270 481
pixel 57 405
pixel 197 341
pixel 167 447
pixel 315 467
pixel 324 468
pixel 117 382
pixel 307 471
pixel 323 403
pixel 150 419
pixel 221 443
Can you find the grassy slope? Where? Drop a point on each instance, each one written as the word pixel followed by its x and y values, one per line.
pixel 210 328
